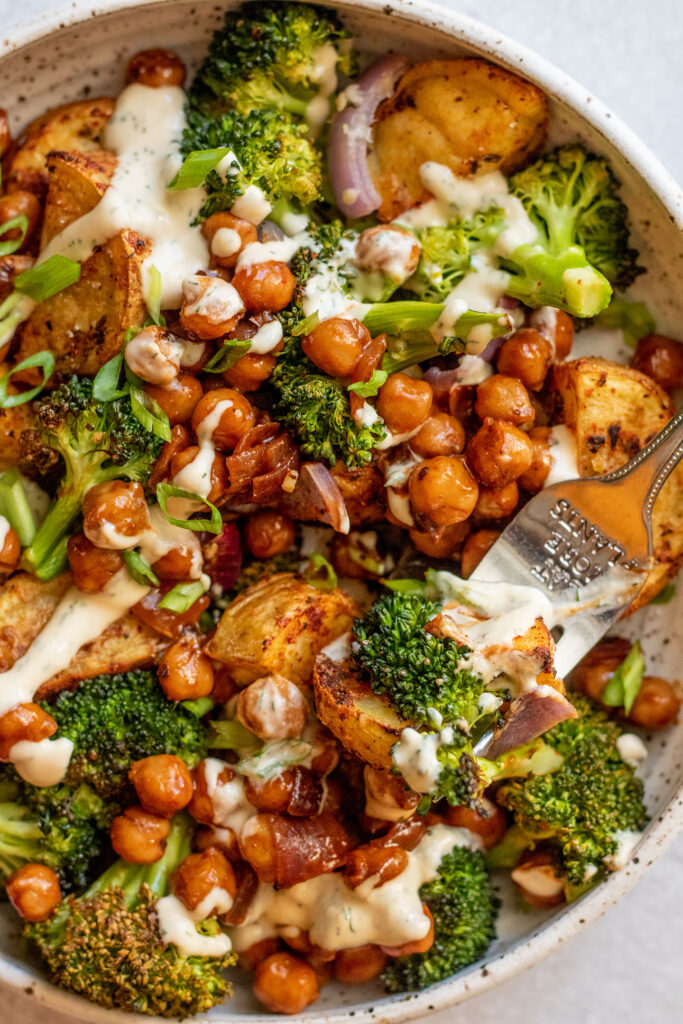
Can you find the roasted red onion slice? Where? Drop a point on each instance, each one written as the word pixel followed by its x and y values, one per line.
pixel 350 133
pixel 529 717
pixel 223 556
pixel 317 498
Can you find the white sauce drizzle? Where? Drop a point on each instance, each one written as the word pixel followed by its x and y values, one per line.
pixel 252 205
pixel 230 806
pixel 4 530
pixel 267 338
pixel 177 925
pixel 42 763
pixel 324 74
pixel 564 455
pixel 226 242
pixel 415 756
pixel 631 749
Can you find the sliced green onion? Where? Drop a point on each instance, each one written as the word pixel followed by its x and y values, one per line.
pixel 406 586
pixel 307 325
pixel 148 412
pixel 227 355
pixel 369 388
pixel 11 245
pixel 624 685
pixel 12 312
pixel 320 573
pixel 212 525
pixel 53 563
pixel 44 360
pixel 181 597
pixel 139 569
pixel 196 166
pixel 230 735
pixel 15 508
pixel 46 279
pixel 105 386
pixel 153 299
pixel 664 595
pixel 199 707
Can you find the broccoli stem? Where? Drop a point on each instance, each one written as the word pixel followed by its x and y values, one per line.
pixel 15 508
pixel 20 839
pixel 567 281
pixel 131 877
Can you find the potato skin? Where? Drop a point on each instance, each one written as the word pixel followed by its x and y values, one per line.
pixel 469 114
pixel 279 625
pixel 76 183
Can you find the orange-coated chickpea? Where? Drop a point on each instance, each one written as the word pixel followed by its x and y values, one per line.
pixel 218 477
pixel 10 552
pixel 474 549
pixel 227 235
pixel 154 355
pixel 661 358
pixel 265 287
pixel 418 945
pixel 33 890
pixel 179 398
pixel 269 533
pixel 499 453
pixel 285 984
pixel 201 805
pixel 443 490
pixel 196 876
pixel 390 250
pixel 497 502
pixel 250 372
pixel 179 563
pixel 156 68
pixel 273 708
pixel 336 345
pixel 163 783
pixel 596 668
pixel 440 434
pixel 211 306
pixel 139 837
pixel 504 398
pixel 374 861
pixel 16 204
pixel 180 440
pixel 538 881
pixel 404 403
pixel 657 704
pixel 533 479
pixel 356 966
pixel 442 541
pixel 227 425
pixel 184 672
pixel 115 514
pixel 386 796
pixel 489 823
pixel 557 327
pixel 223 839
pixel 525 355
pixel 24 722
pixel 92 568
pixel 253 955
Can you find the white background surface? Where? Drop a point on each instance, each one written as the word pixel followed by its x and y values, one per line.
pixel 626 968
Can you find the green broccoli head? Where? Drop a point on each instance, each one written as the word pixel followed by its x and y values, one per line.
pixel 581 806
pixel 447 251
pixel 106 945
pixel 464 907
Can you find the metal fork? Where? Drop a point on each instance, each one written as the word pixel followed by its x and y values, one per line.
pixel 584 534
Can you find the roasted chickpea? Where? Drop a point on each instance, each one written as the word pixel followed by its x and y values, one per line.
pixel 373 860
pixel 253 955
pixel 154 355
pixel 20 204
pixel 443 490
pixel 180 440
pixel 661 358
pixel 474 549
pixel 201 806
pixel 33 890
pixel 268 534
pixel 356 966
pixel 657 704
pixel 223 839
pixel 199 874
pixel 24 722
pixel 187 480
pixel 440 434
pixel 250 372
pixel 10 552
pixel 115 514
pixel 404 403
pixel 163 784
pixel 336 345
pixel 285 984
pixel 386 796
pixel 295 791
pixel 156 68
pixel 497 502
pixel 596 668
pixel 92 568
pixel 226 425
pixel 440 541
pixel 418 945
pixel 533 479
pixel 139 837
pixel 273 708
pixel 525 355
pixel 557 327
pixel 537 880
pixel 504 398
pixel 181 563
pixel 265 287
pixel 184 672
pixel 227 235
pixel 211 306
pixel 499 453
pixel 489 823
pixel 179 398
pixel 389 249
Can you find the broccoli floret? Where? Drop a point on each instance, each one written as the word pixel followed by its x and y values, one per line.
pixel 106 945
pixel 447 251
pixel 116 720
pixel 416 669
pixel 464 907
pixel 582 806
pixel 98 441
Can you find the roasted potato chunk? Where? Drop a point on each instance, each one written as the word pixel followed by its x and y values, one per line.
pixel 614 411
pixel 77 182
pixel 26 604
pixel 363 493
pixel 13 422
pixel 363 721
pixel 279 625
pixel 469 114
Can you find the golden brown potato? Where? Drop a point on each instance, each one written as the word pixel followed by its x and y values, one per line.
pixel 614 410
pixel 363 493
pixel 13 422
pixel 77 182
pixel 363 721
pixel 85 324
pixel 26 604
pixel 279 625
pixel 469 114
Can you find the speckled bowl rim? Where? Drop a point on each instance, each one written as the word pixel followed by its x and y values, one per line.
pixel 549 936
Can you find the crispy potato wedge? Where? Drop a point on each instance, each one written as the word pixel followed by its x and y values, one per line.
pixel 469 114
pixel 13 422
pixel 279 625
pixel 613 411
pixel 72 126
pixel 84 325
pixel 10 267
pixel 363 721
pixel 77 182
pixel 26 604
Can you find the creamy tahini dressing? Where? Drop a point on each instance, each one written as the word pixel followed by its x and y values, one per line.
pixel 415 756
pixel 4 530
pixel 324 75
pixel 196 476
pixel 43 762
pixel 564 455
pixel 267 338
pixel 177 924
pixel 230 805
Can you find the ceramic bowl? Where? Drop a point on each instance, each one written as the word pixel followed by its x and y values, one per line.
pixel 83 49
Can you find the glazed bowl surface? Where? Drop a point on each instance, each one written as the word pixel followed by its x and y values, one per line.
pixel 82 49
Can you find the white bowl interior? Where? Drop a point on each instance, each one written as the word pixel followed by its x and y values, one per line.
pixel 89 57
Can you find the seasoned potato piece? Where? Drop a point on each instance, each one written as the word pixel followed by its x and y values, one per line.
pixel 614 410
pixel 363 493
pixel 77 182
pixel 469 114
pixel 279 625
pixel 13 422
pixel 84 325
pixel 26 604
pixel 363 721
pixel 72 126
pixel 10 267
